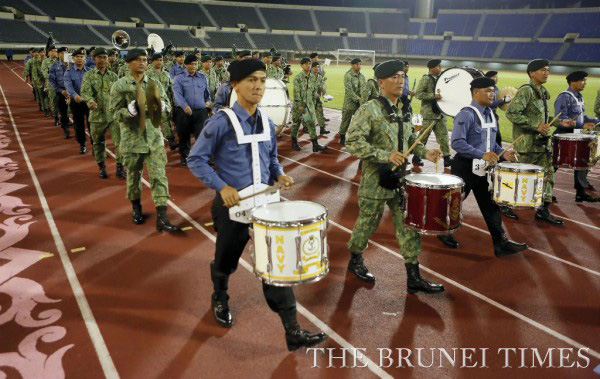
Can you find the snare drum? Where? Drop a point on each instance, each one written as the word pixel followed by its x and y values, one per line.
pixel 275 101
pixel 454 84
pixel 290 243
pixel 573 150
pixel 596 146
pixel 433 203
pixel 518 185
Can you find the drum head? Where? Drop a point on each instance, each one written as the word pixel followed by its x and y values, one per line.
pixel 454 84
pixel 434 180
pixel 574 136
pixel 519 167
pixel 288 211
pixel 275 102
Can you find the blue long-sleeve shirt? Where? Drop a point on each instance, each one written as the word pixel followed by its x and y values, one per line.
pixel 222 96
pixel 497 102
pixel 191 91
pixel 57 76
pixel 89 62
pixel 28 57
pixel 233 161
pixel 73 77
pixel 176 70
pixel 406 89
pixel 469 139
pixel 566 104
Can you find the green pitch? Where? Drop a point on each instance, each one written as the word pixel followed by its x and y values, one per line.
pixel 556 84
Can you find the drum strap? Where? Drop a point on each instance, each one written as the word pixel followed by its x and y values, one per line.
pixel 487 126
pixel 393 117
pixel 579 103
pixel 540 95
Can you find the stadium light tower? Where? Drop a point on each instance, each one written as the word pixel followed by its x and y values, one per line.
pixel 425 8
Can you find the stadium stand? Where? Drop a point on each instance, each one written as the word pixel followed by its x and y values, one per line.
pixel 225 40
pixel 563 23
pixel 177 37
pixel 224 16
pixel 526 50
pixel 18 5
pixel 428 48
pixel 390 23
pixel 381 45
pixel 137 36
pixel 472 49
pixel 429 28
pixel 582 52
pixel 181 13
pixel 67 8
pixel 288 19
pixel 120 10
pixel 332 21
pixel 321 43
pixel 18 31
pixel 460 24
pixel 512 25
pixel 413 28
pixel 70 33
pixel 280 41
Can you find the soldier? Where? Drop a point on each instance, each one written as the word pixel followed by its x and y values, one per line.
pixel 210 75
pixel 57 82
pixel 430 110
pixel 89 59
pixel 220 71
pixel 95 92
pixel 376 136
pixel 314 57
pixel 38 82
pixel 320 90
pixel 143 144
pixel 223 95
pixel 355 94
pixel 571 106
pixel 178 67
pixel 267 58
pixel 50 93
pixel 303 109
pixel 255 55
pixel 168 61
pixel 597 105
pixel 372 86
pixel 529 115
pixel 157 73
pixel 27 70
pixel 113 63
pixel 73 78
pixel 274 70
pixel 29 56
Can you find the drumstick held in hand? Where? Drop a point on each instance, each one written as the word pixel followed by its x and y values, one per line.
pixel 273 189
pixel 419 138
pixel 507 148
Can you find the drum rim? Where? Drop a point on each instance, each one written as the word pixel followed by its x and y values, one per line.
pixel 450 68
pixel 498 168
pixel 282 224
pixel 433 232
pixel 573 136
pixel 291 283
pixel 461 184
pixel 511 206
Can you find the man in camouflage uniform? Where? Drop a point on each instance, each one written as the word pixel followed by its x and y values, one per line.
pixel 220 71
pixel 50 94
pixel 95 92
pixel 374 138
pixel 267 58
pixel 430 110
pixel 274 70
pixel 210 74
pixel 355 94
pixel 38 81
pixel 157 73
pixel 27 71
pixel 529 115
pixel 320 90
pixel 303 109
pixel 597 105
pixel 114 63
pixel 372 86
pixel 141 144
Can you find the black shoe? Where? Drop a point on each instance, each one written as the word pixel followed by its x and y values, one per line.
pixel 585 197
pixel 305 129
pixel 447 161
pixel 324 131
pixel 543 214
pixel 56 122
pixel 183 160
pixel 448 240
pixel 507 247
pixel 137 217
pixel 508 212
pixel 46 113
pixel 343 139
pixel 590 187
pixel 162 222
pixel 325 118
pixel 67 134
pixel 554 199
pixel 416 283
pixel 102 170
pixel 358 268
pixel 82 149
pixel 172 144
pixel 220 308
pixel 416 161
pixel 121 173
pixel 295 145
pixel 316 147
pixel 297 338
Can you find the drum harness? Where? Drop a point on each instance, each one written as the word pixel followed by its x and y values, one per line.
pixel 544 97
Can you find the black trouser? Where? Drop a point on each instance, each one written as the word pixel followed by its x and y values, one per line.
pixel 62 107
pixel 232 238
pixel 186 125
pixel 498 134
pixel 579 176
pixel 462 167
pixel 80 114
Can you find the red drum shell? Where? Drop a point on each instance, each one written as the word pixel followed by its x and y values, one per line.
pixel 572 151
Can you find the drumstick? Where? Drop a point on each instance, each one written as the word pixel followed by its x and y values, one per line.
pixel 273 188
pixel 505 150
pixel 419 138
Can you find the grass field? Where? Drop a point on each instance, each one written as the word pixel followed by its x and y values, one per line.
pixel 556 84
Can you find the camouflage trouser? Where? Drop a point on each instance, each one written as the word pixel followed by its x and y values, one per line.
pixel 348 111
pixel 298 118
pixel 41 97
pixel 166 128
pixel 98 130
pixel 441 134
pixel 543 159
pixel 52 101
pixel 369 216
pixel 320 114
pixel 155 165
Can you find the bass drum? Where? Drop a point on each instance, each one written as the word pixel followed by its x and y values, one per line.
pixel 275 102
pixel 454 84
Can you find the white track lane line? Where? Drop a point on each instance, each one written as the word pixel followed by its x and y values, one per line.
pixel 104 357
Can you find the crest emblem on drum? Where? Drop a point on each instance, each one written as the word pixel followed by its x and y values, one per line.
pixel 311 246
pixel 455 209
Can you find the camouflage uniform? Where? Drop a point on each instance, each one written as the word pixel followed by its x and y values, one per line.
pixel 527 110
pixel 50 93
pixel 37 80
pixel 274 72
pixel 165 80
pixel 372 89
pixel 139 146
pixel 169 63
pixel 123 70
pixel 320 90
pixel 355 94
pixel 115 66
pixel 426 92
pixel 372 138
pixel 95 88
pixel 304 89
pixel 213 84
pixel 222 75
pixel 597 104
pixel 27 74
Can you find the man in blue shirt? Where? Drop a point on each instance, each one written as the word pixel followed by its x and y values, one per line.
pixel 474 138
pixel 72 81
pixel 571 106
pixel 223 95
pixel 57 82
pixel 89 59
pixel 192 97
pixel 178 67
pixel 235 171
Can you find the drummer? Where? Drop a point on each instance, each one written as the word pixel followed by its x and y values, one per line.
pixel 571 106
pixel 234 172
pixel 474 139
pixel 373 138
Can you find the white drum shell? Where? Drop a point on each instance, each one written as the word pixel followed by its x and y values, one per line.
pixel 454 85
pixel 518 185
pixel 275 101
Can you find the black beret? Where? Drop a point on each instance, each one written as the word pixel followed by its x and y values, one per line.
pixel 287 69
pixel 205 58
pixel 433 63
pixel 31 48
pixel 355 61
pixel 100 51
pixel 576 76
pixel 376 65
pixel 255 52
pixel 304 60
pixel 51 48
pixel 111 52
pixel 190 58
pixel 218 58
pixel 245 67
pixel 536 64
pixel 276 58
pixel 244 53
pixel 78 52
pixel 489 74
pixel 178 53
pixel 61 49
pixel 313 55
pixel 196 51
pixel 92 48
pixel 483 82
pixel 155 56
pixel 406 63
pixel 134 54
pixel 315 64
pixel 228 55
pixel 266 54
pixel 388 68
pixel 232 65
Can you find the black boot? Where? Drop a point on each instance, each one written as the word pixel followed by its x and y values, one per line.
pixel 56 122
pixel 448 240
pixel 581 197
pixel 138 217
pixel 295 145
pixel 102 170
pixel 506 247
pixel 447 161
pixel 508 212
pixel 543 214
pixel 162 222
pixel 343 139
pixel 219 302
pixel 46 113
pixel 305 129
pixel 183 160
pixel 416 161
pixel 358 268
pixel 67 134
pixel 172 144
pixel 295 337
pixel 121 173
pixel 324 131
pixel 316 147
pixel 416 283
pixel 82 149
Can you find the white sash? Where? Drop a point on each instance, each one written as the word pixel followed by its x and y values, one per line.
pixel 241 213
pixel 580 104
pixel 479 165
